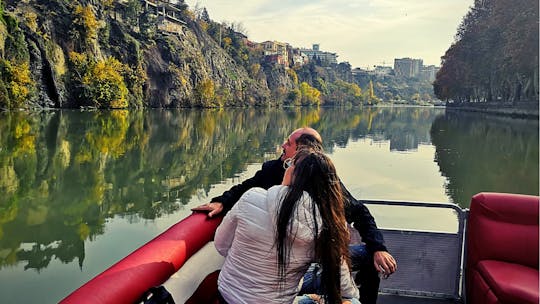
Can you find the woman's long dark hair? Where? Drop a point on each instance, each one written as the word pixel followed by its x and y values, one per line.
pixel 315 174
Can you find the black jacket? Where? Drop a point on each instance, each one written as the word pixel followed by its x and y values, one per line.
pixel 272 173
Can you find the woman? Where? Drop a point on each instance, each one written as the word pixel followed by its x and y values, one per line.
pixel 269 238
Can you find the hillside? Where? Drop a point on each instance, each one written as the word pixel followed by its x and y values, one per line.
pixel 142 53
pixel 114 54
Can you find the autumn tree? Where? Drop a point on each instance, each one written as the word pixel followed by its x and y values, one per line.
pixel 494 56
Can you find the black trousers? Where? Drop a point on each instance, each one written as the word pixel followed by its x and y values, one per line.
pixel 367 276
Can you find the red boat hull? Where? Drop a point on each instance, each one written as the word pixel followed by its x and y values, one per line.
pixel 150 265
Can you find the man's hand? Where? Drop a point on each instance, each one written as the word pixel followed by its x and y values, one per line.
pixel 384 260
pixel 213 208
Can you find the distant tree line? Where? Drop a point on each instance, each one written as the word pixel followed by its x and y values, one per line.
pixel 494 56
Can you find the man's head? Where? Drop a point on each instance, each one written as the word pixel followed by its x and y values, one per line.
pixel 290 144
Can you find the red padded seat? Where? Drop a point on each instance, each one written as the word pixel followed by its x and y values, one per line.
pixel 510 282
pixel 502 249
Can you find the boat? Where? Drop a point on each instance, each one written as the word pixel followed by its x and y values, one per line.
pixel 433 266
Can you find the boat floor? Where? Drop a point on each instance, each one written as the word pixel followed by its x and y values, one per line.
pixel 395 299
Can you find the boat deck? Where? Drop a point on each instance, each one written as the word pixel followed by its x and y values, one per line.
pixel 395 299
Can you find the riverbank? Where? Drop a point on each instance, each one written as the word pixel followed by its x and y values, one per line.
pixel 518 109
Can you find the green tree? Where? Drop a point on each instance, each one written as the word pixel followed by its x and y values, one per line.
pixel 133 11
pixel 310 95
pixel 369 96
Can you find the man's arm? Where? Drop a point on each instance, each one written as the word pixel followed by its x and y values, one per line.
pixel 357 213
pixel 270 174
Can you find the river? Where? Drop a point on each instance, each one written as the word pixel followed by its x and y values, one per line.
pixel 81 189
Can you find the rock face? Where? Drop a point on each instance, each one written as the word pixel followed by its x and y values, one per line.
pixel 184 68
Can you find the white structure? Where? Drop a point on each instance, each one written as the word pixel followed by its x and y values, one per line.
pixel 316 53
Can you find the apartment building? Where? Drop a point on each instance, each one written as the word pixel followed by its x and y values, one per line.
pixel 316 54
pixel 408 67
pixel 276 52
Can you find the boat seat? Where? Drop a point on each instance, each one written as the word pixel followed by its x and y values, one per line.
pixel 502 249
pixel 513 283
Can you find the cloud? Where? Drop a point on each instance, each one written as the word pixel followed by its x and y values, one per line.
pixel 363 32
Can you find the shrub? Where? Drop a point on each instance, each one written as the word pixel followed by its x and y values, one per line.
pixel 17 83
pixel 105 84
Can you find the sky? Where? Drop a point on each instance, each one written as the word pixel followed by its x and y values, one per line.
pixel 364 33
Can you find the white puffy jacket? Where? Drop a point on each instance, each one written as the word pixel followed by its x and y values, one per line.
pixel 246 239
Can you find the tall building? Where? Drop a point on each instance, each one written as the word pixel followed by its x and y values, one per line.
pixel 428 73
pixel 408 67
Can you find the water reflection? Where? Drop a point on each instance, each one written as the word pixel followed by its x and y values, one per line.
pixel 64 173
pixel 479 153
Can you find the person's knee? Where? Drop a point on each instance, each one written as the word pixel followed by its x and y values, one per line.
pixel 354 301
pixel 360 257
pixel 305 299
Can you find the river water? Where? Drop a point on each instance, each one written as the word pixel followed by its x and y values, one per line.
pixel 81 189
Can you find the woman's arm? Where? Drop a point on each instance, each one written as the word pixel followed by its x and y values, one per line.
pixel 348 287
pixel 225 231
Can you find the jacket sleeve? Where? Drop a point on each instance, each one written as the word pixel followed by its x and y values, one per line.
pixel 226 230
pixel 358 214
pixel 267 176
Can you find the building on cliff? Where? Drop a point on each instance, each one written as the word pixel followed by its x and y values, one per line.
pixel 168 13
pixel 316 54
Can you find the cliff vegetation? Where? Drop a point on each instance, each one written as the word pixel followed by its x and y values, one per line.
pixel 128 54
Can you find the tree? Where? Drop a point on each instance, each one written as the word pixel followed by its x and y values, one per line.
pixel 204 16
pixel 205 92
pixel 133 11
pixel 310 95
pixel 85 25
pixel 494 56
pixel 369 96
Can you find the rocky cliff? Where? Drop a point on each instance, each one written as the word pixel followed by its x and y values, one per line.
pixel 114 54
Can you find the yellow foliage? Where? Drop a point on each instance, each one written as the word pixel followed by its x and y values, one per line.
pixel 310 118
pixel 189 14
pixel 204 25
pixel 58 60
pixel 9 182
pixel 84 231
pixel 31 20
pixel 3 36
pixel 107 3
pixel 22 128
pixel 80 61
pixel 110 139
pixel 310 95
pixel 20 75
pixel 255 69
pixel 85 18
pixel 64 153
pixel 293 76
pixel 106 84
pixel 206 90
pixel 25 141
pixel 227 41
pixel 83 156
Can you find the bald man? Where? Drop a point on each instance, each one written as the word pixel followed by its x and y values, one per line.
pixel 368 259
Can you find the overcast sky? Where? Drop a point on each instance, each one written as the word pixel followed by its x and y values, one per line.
pixel 363 32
